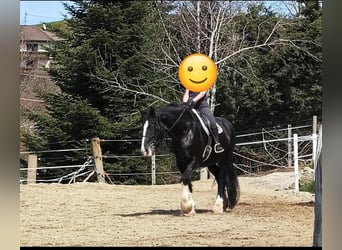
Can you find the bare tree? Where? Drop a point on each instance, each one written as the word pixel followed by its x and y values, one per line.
pixel 214 24
pixel 208 27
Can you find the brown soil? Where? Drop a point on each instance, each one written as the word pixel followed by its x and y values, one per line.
pixel 94 214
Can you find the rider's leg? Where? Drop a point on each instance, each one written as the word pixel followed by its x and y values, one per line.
pixel 217 147
pixel 213 129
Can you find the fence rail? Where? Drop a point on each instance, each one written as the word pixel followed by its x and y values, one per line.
pixel 95 161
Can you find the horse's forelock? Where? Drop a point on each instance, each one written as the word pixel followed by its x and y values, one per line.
pixel 148 114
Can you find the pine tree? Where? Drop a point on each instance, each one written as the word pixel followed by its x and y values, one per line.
pixel 101 55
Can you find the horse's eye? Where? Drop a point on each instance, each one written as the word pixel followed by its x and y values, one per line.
pixel 190 68
pixel 204 67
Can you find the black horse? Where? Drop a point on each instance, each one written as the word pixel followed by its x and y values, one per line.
pixel 189 140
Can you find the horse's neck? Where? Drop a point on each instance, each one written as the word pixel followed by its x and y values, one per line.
pixel 175 119
pixel 168 118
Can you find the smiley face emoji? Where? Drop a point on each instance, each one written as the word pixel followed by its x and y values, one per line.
pixel 197 72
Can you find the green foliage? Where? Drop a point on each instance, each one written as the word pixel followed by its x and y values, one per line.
pixel 112 64
pixel 307 187
pixel 54 26
pixel 266 87
pixel 70 117
pixel 103 50
pixel 104 42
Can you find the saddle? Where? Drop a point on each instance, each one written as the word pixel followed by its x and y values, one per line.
pixel 205 124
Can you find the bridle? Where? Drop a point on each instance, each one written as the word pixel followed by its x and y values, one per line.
pixel 158 122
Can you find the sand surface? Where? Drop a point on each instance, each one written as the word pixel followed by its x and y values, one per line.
pixel 95 214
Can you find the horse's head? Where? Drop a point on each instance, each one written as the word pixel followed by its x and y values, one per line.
pixel 156 122
pixel 151 132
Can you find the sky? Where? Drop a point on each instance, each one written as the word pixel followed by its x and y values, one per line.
pixel 37 12
pixel 41 12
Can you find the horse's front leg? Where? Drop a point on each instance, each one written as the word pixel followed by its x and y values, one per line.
pixel 187 202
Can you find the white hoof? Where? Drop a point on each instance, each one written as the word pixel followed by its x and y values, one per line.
pixel 187 203
pixel 188 207
pixel 218 206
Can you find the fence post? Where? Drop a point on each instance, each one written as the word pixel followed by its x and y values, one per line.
pixel 153 168
pixel 289 146
pixel 296 168
pixel 97 156
pixel 317 235
pixel 314 124
pixel 314 141
pixel 32 163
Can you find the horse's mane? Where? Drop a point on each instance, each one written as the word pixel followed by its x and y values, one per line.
pixel 173 104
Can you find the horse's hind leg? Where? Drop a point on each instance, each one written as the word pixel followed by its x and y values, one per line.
pixel 231 183
pixel 228 189
pixel 221 198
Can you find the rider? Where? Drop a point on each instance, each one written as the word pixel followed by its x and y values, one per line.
pixel 198 100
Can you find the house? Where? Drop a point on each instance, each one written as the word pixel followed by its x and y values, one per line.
pixel 34 76
pixel 34 45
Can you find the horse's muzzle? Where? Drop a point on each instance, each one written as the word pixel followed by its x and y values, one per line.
pixel 147 151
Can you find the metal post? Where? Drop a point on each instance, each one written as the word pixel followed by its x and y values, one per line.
pixel 314 124
pixel 314 141
pixel 296 169
pixel 153 168
pixel 317 235
pixel 289 146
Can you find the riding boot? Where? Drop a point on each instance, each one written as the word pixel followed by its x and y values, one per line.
pixel 217 147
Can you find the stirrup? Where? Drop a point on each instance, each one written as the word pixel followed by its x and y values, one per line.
pixel 218 150
pixel 207 152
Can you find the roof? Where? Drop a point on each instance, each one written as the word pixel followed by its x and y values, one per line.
pixel 33 33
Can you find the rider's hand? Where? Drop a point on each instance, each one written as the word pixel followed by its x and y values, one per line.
pixel 190 104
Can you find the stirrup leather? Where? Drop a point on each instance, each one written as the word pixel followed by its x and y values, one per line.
pixel 207 152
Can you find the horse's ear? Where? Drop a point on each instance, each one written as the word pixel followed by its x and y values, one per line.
pixel 148 113
pixel 152 112
pixel 143 114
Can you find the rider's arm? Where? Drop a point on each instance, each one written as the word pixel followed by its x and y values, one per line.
pixel 186 96
pixel 199 96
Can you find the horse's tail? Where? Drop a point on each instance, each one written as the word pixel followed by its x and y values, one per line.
pixel 231 183
pixel 232 186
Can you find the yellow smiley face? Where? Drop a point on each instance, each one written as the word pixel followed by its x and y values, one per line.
pixel 197 72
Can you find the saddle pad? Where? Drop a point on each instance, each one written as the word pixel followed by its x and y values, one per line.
pixel 219 128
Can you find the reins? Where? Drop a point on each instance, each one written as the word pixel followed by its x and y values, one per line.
pixel 173 125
